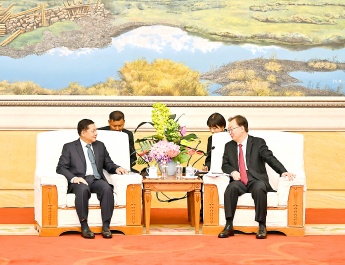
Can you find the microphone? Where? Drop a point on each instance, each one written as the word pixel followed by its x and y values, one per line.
pixel 195 150
pixel 205 154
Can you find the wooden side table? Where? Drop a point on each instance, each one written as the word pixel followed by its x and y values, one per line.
pixel 192 186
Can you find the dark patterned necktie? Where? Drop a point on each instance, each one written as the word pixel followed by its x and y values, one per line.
pixel 242 166
pixel 93 162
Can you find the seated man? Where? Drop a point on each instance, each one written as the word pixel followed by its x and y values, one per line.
pixel 116 123
pixel 82 163
pixel 247 175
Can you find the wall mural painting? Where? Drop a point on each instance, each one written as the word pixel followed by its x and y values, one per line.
pixel 172 47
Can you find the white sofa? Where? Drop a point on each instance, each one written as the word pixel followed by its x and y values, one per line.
pixel 54 207
pixel 286 207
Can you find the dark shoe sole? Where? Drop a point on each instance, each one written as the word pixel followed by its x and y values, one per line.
pixel 226 235
pixel 107 234
pixel 88 237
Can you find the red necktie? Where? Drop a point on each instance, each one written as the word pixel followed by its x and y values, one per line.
pixel 242 166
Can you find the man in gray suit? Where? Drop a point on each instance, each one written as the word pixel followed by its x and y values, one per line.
pixel 252 178
pixel 82 163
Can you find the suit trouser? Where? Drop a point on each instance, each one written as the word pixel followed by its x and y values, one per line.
pixel 236 188
pixel 105 195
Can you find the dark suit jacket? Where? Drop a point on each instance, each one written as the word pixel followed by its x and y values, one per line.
pixel 208 152
pixel 72 160
pixel 133 155
pixel 257 153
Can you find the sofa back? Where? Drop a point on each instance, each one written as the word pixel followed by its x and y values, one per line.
pixel 49 146
pixel 287 147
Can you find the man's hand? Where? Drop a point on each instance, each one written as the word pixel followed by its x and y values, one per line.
pixel 289 175
pixel 236 175
pixel 78 180
pixel 121 171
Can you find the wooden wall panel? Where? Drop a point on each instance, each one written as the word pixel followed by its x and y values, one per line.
pixel 324 160
pixel 325 199
pixel 18 158
pixel 16 198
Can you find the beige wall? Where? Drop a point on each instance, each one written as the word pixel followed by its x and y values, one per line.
pixel 324 164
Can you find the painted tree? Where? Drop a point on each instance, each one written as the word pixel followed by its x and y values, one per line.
pixel 162 77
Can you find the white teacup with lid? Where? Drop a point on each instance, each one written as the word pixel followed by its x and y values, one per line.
pixel 152 171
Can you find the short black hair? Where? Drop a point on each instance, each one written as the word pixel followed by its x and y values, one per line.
pixel 241 121
pixel 116 115
pixel 216 120
pixel 84 125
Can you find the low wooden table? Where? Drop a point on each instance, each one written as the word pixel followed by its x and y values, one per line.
pixel 192 186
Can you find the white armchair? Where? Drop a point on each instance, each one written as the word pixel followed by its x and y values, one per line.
pixel 286 207
pixel 54 208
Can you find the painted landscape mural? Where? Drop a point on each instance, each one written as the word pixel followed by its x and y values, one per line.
pixel 172 47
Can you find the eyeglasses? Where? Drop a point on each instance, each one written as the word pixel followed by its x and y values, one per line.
pixel 93 131
pixel 230 130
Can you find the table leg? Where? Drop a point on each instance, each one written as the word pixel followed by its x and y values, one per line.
pixel 197 199
pixel 189 205
pixel 147 206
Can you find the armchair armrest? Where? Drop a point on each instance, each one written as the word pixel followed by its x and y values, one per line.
pixel 284 185
pixel 221 182
pixel 121 182
pixel 56 180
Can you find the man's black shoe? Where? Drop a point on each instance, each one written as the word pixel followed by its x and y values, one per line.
pixel 262 232
pixel 227 231
pixel 106 233
pixel 87 233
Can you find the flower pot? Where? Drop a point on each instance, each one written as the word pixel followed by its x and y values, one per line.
pixel 171 168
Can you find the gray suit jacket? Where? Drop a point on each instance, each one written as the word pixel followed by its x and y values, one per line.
pixel 257 153
pixel 72 160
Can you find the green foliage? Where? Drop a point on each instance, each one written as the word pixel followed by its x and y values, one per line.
pixel 36 36
pixel 167 129
pixel 161 78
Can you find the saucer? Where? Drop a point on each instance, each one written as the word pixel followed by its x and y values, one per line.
pixel 156 177
pixel 190 177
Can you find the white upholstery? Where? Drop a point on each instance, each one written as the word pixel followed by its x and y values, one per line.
pixel 48 150
pixel 218 142
pixel 288 148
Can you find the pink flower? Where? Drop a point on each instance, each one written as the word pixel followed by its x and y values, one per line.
pixel 183 130
pixel 143 152
pixel 163 151
pixel 191 152
pixel 173 153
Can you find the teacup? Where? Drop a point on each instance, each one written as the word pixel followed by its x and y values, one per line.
pixel 190 171
pixel 152 171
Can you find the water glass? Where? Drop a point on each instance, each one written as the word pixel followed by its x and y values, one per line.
pixel 178 173
pixel 164 172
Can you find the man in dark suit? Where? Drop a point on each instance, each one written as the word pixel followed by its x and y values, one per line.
pixel 82 163
pixel 116 123
pixel 252 178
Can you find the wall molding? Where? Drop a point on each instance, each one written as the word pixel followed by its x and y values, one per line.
pixel 122 101
pixel 274 113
